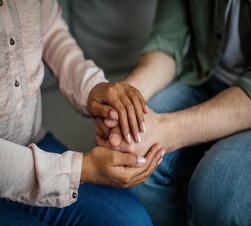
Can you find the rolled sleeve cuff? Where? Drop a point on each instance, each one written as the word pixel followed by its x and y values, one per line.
pixel 244 82
pixel 161 44
pixel 76 169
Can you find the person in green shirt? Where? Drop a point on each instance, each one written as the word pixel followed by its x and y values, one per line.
pixel 195 72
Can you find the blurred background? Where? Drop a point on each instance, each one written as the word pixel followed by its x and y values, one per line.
pixel 110 32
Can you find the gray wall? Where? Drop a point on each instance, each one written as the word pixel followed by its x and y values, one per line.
pixel 110 32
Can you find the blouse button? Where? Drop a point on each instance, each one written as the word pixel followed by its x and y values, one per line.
pixel 16 83
pixel 12 42
pixel 74 195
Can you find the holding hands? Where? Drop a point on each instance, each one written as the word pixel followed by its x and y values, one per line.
pixel 119 101
pixel 120 170
pixel 112 137
pixel 118 160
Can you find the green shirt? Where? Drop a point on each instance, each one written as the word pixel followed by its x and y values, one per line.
pixel 205 21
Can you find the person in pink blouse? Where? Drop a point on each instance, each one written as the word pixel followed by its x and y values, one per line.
pixel 37 172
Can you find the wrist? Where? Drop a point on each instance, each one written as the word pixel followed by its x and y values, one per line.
pixel 85 170
pixel 171 131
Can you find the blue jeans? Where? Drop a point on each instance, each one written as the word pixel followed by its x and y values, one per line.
pixel 219 190
pixel 96 205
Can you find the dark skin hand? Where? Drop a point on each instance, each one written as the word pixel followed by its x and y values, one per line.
pixel 119 101
pixel 120 170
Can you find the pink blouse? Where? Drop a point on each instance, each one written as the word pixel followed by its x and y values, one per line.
pixel 32 31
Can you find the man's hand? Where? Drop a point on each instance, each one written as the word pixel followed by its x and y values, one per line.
pixel 112 138
pixel 119 101
pixel 120 170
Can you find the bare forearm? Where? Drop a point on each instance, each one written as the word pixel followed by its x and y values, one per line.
pixel 154 71
pixel 223 115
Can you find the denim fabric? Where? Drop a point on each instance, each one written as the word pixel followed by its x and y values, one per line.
pixel 96 205
pixel 221 179
pixel 219 190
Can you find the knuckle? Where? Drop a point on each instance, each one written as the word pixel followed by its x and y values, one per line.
pixel 129 107
pixel 134 97
pixel 113 158
pixel 121 111
pixel 110 90
pixel 90 106
pixel 102 112
pixel 141 117
pixel 123 83
pixel 117 85
pixel 130 158
pixel 126 180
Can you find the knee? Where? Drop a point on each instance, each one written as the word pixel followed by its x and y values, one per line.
pixel 218 190
pixel 135 214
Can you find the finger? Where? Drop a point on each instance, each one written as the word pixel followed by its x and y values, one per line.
pixel 142 101
pixel 154 152
pixel 138 110
pixel 99 132
pixel 119 107
pixel 154 163
pixel 111 123
pixel 116 136
pixel 101 142
pixel 105 111
pixel 105 130
pixel 131 118
pixel 127 159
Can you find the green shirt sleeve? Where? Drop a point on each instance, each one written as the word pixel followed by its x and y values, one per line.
pixel 169 31
pixel 244 82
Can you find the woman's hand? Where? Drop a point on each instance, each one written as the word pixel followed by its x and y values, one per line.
pixel 119 101
pixel 120 170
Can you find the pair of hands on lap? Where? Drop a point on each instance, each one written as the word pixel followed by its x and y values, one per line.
pixel 123 107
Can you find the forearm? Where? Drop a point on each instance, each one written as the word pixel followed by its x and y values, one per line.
pixel 154 71
pixel 32 176
pixel 223 115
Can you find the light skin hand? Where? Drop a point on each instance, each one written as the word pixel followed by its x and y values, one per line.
pixel 119 101
pixel 120 170
pixel 112 138
pixel 221 116
pixel 225 114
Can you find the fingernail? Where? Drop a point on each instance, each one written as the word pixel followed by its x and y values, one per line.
pixel 160 161
pixel 129 138
pixel 162 154
pixel 108 121
pixel 113 115
pixel 114 137
pixel 146 109
pixel 141 161
pixel 143 127
pixel 138 138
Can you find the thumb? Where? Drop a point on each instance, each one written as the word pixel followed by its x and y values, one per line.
pixel 116 136
pixel 129 159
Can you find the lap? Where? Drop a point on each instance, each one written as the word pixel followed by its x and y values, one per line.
pixel 220 186
pixel 176 97
pixel 159 192
pixel 96 205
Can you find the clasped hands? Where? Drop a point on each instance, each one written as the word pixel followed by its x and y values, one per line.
pixel 126 154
